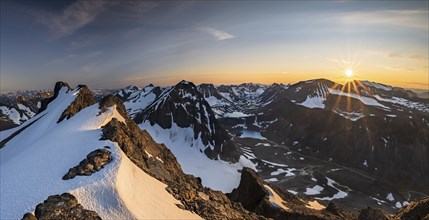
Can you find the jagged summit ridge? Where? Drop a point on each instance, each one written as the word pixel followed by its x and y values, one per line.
pixel 184 106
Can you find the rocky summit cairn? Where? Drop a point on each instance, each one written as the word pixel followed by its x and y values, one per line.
pixel 64 206
pixel 94 162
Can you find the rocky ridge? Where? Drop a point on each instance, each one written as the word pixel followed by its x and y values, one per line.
pixel 184 106
pixel 84 99
pixel 158 161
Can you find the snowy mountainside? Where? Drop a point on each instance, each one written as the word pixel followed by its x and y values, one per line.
pixel 136 99
pixel 356 99
pixel 183 106
pixel 248 90
pixel 14 110
pixel 368 126
pixel 183 120
pixel 220 105
pixel 337 139
pixel 42 153
pixel 271 92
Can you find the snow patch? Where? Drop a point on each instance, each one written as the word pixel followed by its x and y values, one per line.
pixel 365 100
pixel 182 144
pixel 235 115
pixel 275 199
pixel 315 190
pixel 390 197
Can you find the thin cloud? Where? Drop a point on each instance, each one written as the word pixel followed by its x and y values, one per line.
pixel 74 17
pixel 417 57
pixel 404 18
pixel 218 34
pixel 393 68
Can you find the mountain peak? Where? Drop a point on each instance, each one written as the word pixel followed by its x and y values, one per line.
pixel 185 83
pixel 131 87
pixel 58 86
pixel 84 99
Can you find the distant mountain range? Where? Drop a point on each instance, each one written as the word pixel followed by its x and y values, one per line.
pixel 311 150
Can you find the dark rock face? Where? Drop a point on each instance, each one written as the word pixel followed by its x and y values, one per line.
pixel 338 211
pixel 271 92
pixel 372 214
pixel 205 202
pixel 16 104
pixel 138 145
pixel 184 105
pixel 57 88
pixel 94 162
pixel 219 104
pixel 84 99
pixel 395 148
pixel 208 90
pixel 64 206
pixel 249 182
pixel 254 197
pixel 158 161
pixel 29 216
pixel 414 210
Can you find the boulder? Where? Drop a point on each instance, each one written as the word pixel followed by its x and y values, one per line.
pixel 64 206
pixel 94 162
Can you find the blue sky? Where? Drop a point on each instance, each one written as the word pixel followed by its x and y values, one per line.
pixel 113 44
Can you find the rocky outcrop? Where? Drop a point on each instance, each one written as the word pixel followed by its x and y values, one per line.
pixel 64 206
pixel 372 214
pixel 206 202
pixel 158 161
pixel 29 216
pixel 138 145
pixel 84 99
pixel 46 101
pixel 253 193
pixel 338 211
pixel 94 162
pixel 415 210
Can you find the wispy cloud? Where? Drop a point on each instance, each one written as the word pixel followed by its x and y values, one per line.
pixel 397 68
pixel 218 34
pixel 404 18
pixel 94 53
pixel 74 17
pixel 417 57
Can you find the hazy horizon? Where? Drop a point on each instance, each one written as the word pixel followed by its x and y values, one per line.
pixel 107 44
pixel 199 83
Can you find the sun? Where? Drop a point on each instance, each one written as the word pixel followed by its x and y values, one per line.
pixel 348 73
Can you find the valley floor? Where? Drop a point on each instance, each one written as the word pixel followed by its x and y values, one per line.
pixel 307 175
